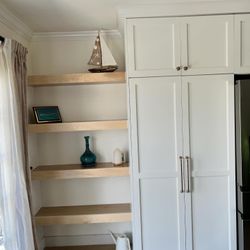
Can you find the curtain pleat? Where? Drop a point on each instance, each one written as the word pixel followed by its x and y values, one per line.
pixel 19 65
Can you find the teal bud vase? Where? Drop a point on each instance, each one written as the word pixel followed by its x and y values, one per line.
pixel 88 158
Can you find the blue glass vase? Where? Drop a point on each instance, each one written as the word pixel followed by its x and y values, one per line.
pixel 88 158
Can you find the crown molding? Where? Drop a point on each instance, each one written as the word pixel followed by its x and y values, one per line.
pixel 184 9
pixel 9 20
pixel 37 36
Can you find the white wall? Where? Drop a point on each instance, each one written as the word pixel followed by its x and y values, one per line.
pixel 69 52
pixel 58 54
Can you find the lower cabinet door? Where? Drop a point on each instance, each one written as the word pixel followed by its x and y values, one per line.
pixel 156 142
pixel 208 120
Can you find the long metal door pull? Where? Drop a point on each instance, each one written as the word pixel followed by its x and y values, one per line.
pixel 182 179
pixel 188 190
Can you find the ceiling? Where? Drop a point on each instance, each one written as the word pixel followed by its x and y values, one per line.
pixel 72 15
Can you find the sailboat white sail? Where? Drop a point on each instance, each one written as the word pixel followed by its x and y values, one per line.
pixel 107 57
pixel 102 57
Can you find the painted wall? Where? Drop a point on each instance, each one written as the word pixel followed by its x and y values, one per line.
pixel 70 54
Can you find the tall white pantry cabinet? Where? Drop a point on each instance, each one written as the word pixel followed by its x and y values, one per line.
pixel 181 103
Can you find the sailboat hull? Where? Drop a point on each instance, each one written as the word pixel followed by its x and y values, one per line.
pixel 103 69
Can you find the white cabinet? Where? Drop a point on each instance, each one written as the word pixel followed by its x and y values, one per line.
pixel 154 46
pixel 187 203
pixel 242 44
pixel 156 142
pixel 185 45
pixel 207 45
pixel 208 125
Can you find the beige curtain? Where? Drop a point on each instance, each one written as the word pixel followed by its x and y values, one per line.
pixel 19 64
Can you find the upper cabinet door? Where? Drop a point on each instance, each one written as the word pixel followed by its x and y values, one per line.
pixel 207 45
pixel 185 45
pixel 153 47
pixel 242 44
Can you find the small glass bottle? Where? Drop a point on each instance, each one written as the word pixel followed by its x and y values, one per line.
pixel 88 158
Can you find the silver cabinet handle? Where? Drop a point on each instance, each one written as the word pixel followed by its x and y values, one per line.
pixel 182 177
pixel 185 68
pixel 188 189
pixel 178 68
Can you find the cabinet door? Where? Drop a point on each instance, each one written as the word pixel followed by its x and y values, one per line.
pixel 156 143
pixel 208 115
pixel 242 44
pixel 207 45
pixel 153 46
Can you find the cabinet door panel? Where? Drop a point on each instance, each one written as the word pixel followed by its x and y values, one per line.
pixel 156 143
pixel 156 116
pixel 159 213
pixel 242 44
pixel 208 123
pixel 208 115
pixel 207 44
pixel 210 213
pixel 153 46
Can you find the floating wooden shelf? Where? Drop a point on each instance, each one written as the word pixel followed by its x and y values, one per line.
pixel 76 79
pixel 75 171
pixel 77 126
pixel 96 247
pixel 83 214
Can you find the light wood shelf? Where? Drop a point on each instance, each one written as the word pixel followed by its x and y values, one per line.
pixel 74 171
pixel 96 247
pixel 77 126
pixel 76 79
pixel 83 214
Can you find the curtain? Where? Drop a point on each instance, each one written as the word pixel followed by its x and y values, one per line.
pixel 19 66
pixel 15 215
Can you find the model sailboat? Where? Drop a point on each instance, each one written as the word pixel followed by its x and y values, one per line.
pixel 101 57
